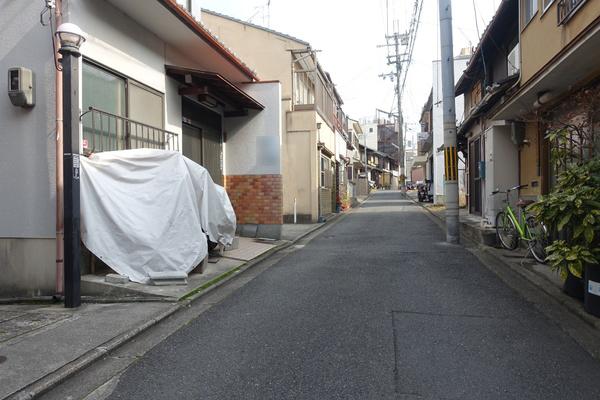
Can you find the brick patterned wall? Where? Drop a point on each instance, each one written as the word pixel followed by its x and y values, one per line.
pixel 256 199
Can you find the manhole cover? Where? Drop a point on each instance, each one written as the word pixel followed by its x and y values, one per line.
pixel 2 359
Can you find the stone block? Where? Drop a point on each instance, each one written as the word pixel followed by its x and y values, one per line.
pixel 234 245
pixel 270 231
pixel 168 278
pixel 248 230
pixel 200 268
pixel 116 278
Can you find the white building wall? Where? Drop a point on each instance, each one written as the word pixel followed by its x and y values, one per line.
pixel 370 132
pixel 27 154
pixel 27 135
pixel 502 168
pixel 253 145
pixel 340 146
pixel 460 63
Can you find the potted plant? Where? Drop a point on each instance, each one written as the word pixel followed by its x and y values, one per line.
pixel 572 212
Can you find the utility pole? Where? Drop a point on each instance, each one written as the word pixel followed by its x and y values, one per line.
pixel 396 59
pixel 448 105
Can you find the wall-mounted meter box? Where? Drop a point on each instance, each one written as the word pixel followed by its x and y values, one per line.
pixel 21 87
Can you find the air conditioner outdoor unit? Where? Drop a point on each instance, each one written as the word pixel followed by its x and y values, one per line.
pixel 514 60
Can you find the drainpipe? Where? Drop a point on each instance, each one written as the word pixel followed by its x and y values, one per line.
pixel 518 82
pixel 319 216
pixel 59 165
pixel 518 44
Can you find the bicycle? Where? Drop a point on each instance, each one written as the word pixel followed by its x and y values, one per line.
pixel 511 227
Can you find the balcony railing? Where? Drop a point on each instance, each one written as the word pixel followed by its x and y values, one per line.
pixel 568 8
pixel 103 131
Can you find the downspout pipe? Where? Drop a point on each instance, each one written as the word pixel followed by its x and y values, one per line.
pixel 59 286
pixel 519 16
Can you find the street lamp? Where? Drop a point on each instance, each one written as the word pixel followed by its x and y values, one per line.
pixel 71 38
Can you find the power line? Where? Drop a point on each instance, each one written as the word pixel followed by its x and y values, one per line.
pixel 476 23
pixel 400 50
pixel 414 28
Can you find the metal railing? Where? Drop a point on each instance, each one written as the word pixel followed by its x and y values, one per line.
pixel 567 8
pixel 104 131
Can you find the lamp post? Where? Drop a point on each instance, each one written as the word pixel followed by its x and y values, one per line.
pixel 71 37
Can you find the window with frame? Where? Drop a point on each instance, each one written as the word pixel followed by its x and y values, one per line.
pixel 341 173
pixel 304 88
pixel 324 169
pixel 530 8
pixel 546 4
pixel 118 97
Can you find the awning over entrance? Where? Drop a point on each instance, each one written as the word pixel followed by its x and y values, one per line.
pixel 211 87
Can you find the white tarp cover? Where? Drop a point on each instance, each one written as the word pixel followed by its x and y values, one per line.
pixel 144 211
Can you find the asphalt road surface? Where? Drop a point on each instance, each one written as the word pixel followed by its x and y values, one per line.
pixel 375 307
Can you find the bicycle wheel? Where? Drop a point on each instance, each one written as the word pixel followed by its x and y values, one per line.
pixel 538 239
pixel 506 231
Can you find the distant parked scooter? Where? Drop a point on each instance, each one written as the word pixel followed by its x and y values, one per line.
pixel 424 192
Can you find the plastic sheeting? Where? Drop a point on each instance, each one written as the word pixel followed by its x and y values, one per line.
pixel 149 211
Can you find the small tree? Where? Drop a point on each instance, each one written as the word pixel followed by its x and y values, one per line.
pixel 571 210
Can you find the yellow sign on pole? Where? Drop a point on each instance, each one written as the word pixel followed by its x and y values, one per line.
pixel 451 163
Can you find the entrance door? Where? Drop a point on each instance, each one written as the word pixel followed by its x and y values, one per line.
pixel 474 178
pixel 201 138
pixel 211 154
pixel 192 143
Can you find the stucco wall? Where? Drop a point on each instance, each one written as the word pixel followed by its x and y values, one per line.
pixel 27 154
pixel 253 142
pixel 27 267
pixel 253 165
pixel 27 135
pixel 502 169
pixel 543 29
pixel 301 171
pixel 325 134
pixel 263 51
pixel 370 137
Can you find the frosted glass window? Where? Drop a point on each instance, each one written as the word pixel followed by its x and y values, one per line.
pixel 103 91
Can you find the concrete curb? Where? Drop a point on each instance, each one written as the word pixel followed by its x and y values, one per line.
pixel 546 286
pixel 536 279
pixel 52 379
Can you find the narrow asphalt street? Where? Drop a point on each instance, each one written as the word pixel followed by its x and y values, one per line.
pixel 375 307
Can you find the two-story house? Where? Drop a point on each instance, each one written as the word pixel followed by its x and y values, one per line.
pixel 310 116
pixel 151 76
pixel 558 84
pixel 489 144
pixel 422 169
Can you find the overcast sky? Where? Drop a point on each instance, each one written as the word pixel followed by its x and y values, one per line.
pixel 348 31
